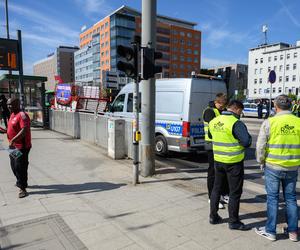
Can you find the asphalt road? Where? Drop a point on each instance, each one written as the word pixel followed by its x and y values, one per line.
pixel 193 166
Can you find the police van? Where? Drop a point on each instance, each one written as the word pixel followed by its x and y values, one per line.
pixel 180 103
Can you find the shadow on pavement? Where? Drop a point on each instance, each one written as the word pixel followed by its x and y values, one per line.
pixel 82 188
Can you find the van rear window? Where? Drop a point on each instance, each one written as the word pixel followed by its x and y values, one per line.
pixel 169 102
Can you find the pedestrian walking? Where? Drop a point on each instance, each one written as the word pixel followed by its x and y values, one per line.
pixel 213 110
pixel 278 153
pixel 5 111
pixel 19 137
pixel 267 109
pixel 230 137
pixel 260 109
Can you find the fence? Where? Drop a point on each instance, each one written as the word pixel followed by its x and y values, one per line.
pixel 88 127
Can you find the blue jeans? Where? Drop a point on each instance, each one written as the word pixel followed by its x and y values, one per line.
pixel 272 182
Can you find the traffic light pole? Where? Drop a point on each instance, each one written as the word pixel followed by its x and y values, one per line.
pixel 148 92
pixel 136 132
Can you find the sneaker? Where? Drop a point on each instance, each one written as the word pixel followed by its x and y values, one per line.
pixel 239 226
pixel 215 220
pixel 221 206
pixel 23 193
pixel 225 199
pixel 293 236
pixel 262 232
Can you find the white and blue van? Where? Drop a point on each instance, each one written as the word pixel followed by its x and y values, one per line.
pixel 180 103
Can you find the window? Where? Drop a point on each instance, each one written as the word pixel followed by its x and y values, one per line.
pixel 295 55
pixel 259 91
pixel 255 81
pixel 102 27
pixel 287 56
pixel 171 105
pixel 269 69
pixel 189 43
pixel 273 90
pixel 275 68
pixel 106 34
pixel 130 103
pixel 181 50
pixel 196 52
pixel 294 66
pixel 255 71
pixel 261 60
pixel 281 57
pixel 181 41
pixel 287 78
pixel 254 91
pixel 269 59
pixel 189 35
pixel 195 60
pixel 275 58
pixel 118 104
pixel 260 80
pixel 280 68
pixel 182 58
pixel 267 90
pixel 256 61
pixel 279 90
pixel 181 66
pixel 106 24
pixel 260 70
pixel 181 33
pixel 294 78
pixel 174 57
pixel 287 67
pixel 106 53
pixel 293 90
pixel 280 78
pixel 189 51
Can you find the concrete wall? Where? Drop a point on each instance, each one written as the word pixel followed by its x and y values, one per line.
pixel 88 127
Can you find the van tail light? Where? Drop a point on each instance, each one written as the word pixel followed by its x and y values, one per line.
pixel 186 129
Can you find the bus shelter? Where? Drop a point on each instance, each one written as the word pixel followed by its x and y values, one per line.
pixel 34 95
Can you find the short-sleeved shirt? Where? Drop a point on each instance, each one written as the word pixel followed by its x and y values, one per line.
pixel 15 124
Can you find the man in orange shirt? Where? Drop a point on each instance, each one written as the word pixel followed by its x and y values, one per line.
pixel 19 137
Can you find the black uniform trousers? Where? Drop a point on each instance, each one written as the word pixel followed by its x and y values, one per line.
pixel 211 176
pixel 235 176
pixel 20 168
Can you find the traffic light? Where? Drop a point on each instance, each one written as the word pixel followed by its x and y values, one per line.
pixel 130 65
pixel 149 69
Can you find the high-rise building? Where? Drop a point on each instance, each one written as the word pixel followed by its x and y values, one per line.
pixel 284 59
pixel 177 39
pixel 237 75
pixel 60 63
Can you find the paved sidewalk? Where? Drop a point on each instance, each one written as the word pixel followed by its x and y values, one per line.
pixel 79 198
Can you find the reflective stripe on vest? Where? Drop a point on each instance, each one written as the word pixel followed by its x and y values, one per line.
pixel 226 148
pixel 283 147
pixel 217 113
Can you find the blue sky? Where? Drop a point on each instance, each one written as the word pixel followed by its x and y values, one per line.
pixel 229 27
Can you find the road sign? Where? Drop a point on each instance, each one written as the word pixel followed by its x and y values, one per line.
pixel 8 54
pixel 272 76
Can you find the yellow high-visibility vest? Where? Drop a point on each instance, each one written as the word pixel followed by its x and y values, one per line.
pixel 283 147
pixel 226 148
pixel 217 113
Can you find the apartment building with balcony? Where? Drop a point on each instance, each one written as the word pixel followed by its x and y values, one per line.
pixel 177 39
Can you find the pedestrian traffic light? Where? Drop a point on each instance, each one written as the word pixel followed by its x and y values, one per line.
pixel 149 69
pixel 129 63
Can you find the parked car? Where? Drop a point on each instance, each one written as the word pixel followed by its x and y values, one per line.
pixel 180 103
pixel 250 110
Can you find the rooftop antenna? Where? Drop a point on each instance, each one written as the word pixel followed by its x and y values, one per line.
pixel 264 30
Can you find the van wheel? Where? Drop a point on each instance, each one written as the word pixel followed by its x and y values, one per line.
pixel 161 146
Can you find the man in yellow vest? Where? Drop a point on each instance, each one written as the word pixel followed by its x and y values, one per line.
pixel 213 110
pixel 278 153
pixel 230 137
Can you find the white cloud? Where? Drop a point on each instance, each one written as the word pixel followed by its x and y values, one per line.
pixel 286 10
pixel 100 7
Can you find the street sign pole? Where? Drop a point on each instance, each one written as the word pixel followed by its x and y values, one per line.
pixel 20 62
pixel 271 79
